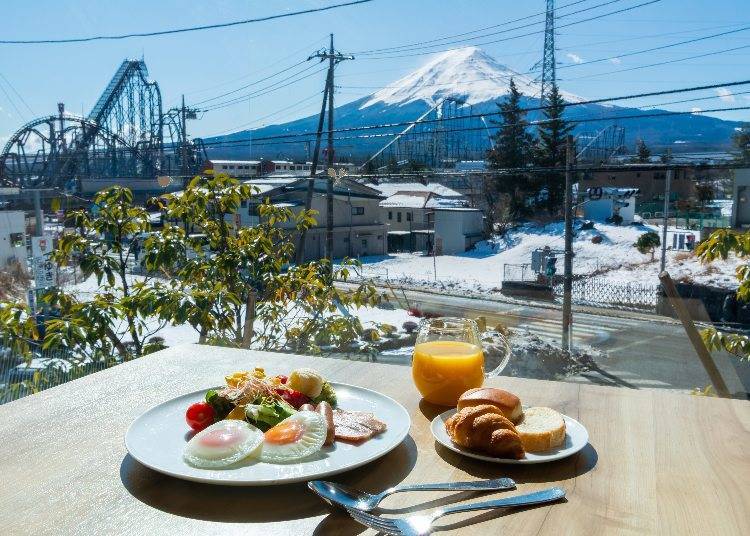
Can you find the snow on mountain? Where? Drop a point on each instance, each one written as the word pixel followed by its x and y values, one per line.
pixel 468 73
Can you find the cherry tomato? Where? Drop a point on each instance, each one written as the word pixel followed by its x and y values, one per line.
pixel 292 397
pixel 199 416
pixel 282 378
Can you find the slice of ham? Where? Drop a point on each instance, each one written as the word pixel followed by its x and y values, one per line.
pixel 356 426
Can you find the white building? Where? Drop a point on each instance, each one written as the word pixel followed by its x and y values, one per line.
pixel 12 236
pixel 358 230
pixel 606 204
pixel 422 216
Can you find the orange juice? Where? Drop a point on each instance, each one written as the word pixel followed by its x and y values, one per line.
pixel 443 370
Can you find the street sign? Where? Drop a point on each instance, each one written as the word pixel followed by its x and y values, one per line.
pixel 44 271
pixel 41 246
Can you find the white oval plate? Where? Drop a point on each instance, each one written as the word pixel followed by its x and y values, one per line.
pixel 576 437
pixel 157 438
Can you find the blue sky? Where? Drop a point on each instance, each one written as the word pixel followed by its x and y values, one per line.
pixel 204 64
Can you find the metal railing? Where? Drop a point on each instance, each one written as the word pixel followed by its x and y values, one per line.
pixel 21 375
pixel 595 291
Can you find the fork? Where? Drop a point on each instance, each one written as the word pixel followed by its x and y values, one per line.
pixel 420 525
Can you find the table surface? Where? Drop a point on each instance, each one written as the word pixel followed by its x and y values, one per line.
pixel 657 462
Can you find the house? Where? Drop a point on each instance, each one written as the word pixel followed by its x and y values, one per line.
pixel 420 217
pixel 611 205
pixel 241 169
pixel 12 236
pixel 357 227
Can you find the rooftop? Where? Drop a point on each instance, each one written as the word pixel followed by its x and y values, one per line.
pixel 390 188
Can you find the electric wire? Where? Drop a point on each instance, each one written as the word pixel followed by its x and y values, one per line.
pixel 284 138
pixel 528 109
pixel 596 17
pixel 179 30
pixel 445 38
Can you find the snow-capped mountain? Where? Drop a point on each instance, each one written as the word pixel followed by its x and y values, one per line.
pixel 467 73
pixel 473 79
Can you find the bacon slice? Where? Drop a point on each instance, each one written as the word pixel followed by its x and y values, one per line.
pixel 356 426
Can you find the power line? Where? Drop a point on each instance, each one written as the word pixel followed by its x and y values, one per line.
pixel 12 103
pixel 395 48
pixel 17 93
pixel 653 49
pixel 260 93
pixel 657 64
pixel 179 30
pixel 252 83
pixel 285 137
pixel 257 119
pixel 528 109
pixel 596 17
pixel 255 72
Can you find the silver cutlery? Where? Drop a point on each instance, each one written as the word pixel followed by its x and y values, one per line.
pixel 420 525
pixel 355 499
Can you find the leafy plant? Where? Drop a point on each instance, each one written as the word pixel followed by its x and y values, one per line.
pixel 243 288
pixel 647 243
pixel 234 286
pixel 720 245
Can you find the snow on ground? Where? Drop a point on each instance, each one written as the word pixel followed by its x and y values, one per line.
pixel 613 260
pixel 185 334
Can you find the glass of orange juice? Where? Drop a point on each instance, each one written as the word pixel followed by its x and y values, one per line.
pixel 448 359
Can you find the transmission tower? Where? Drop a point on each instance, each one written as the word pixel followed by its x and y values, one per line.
pixel 548 59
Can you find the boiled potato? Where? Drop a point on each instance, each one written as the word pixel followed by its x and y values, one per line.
pixel 307 381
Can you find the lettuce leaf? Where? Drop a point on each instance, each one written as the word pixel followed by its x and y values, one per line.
pixel 268 413
pixel 327 394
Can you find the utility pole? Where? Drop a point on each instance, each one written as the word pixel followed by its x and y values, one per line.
pixel 299 253
pixel 665 222
pixel 333 58
pixel 567 316
pixel 183 143
pixel 38 218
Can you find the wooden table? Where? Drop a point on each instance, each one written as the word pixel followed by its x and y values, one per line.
pixel 658 462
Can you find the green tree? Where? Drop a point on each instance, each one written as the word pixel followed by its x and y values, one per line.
pixel 550 150
pixel 647 243
pixel 643 152
pixel 720 245
pixel 243 289
pixel 741 140
pixel 512 149
pixel 705 193
pixel 236 286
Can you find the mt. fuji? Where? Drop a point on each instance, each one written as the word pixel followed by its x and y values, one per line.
pixel 470 77
pixel 466 73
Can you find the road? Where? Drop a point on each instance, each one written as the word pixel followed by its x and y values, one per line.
pixel 643 351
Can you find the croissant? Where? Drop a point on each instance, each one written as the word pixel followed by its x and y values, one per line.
pixel 485 429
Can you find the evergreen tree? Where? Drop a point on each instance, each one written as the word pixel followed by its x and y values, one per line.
pixel 644 153
pixel 550 147
pixel 741 140
pixel 513 148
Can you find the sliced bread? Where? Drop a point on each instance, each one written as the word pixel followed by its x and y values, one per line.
pixel 541 429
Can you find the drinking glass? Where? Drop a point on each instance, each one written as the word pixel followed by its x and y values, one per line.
pixel 448 359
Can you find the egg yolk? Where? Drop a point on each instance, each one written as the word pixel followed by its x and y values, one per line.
pixel 285 432
pixel 220 438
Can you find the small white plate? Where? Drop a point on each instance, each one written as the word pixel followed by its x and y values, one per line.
pixel 157 438
pixel 576 437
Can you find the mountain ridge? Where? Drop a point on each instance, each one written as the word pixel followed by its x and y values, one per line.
pixel 472 78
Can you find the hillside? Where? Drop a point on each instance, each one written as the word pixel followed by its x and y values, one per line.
pixel 480 82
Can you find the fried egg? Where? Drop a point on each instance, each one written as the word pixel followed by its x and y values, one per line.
pixel 294 438
pixel 223 443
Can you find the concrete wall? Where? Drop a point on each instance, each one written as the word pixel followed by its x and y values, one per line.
pixel 601 209
pixel 458 229
pixel 390 216
pixel 12 222
pixel 741 208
